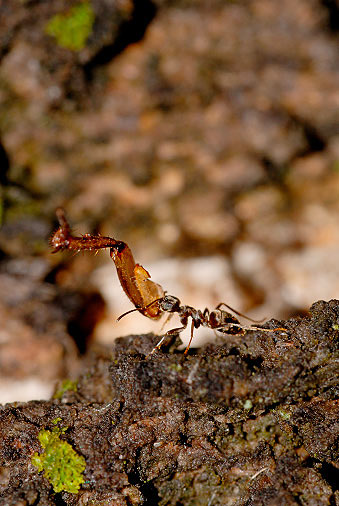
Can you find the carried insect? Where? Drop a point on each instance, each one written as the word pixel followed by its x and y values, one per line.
pixel 134 279
pixel 148 297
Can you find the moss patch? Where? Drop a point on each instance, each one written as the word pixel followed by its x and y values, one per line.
pixel 63 467
pixel 65 386
pixel 72 29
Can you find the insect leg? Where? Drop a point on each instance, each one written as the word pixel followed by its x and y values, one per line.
pixel 238 312
pixel 266 330
pixel 165 336
pixel 242 328
pixel 189 343
pixel 169 316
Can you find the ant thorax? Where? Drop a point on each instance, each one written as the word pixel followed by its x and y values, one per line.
pixel 196 315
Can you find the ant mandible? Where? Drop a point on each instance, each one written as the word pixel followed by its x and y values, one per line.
pixel 148 297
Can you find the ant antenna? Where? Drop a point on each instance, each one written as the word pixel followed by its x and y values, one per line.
pixel 128 312
pixel 239 314
pixel 138 309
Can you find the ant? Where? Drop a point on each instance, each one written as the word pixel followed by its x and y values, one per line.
pixel 148 297
pixel 217 319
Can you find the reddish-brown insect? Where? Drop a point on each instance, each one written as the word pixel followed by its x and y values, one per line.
pixel 148 297
pixel 134 279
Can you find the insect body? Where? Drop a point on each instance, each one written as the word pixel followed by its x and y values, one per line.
pixel 134 279
pixel 148 297
pixel 136 283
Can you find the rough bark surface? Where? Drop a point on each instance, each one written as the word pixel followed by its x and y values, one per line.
pixel 251 420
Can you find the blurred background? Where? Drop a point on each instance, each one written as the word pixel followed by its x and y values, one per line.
pixel 205 134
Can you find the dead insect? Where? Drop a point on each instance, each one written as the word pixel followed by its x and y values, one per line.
pixel 148 297
pixel 134 279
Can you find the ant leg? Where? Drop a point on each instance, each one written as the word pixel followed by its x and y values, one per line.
pixel 242 329
pixel 189 344
pixel 166 321
pixel 238 312
pixel 266 330
pixel 138 308
pixel 164 337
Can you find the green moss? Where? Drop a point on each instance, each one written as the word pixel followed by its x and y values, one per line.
pixel 72 29
pixel 65 386
pixel 285 415
pixel 63 467
pixel 175 367
pixel 248 404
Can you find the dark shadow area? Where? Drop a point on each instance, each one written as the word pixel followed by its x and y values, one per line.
pixel 148 490
pixel 4 165
pixel 314 143
pixel 331 475
pixel 275 172
pixel 314 140
pixel 253 364
pixel 130 32
pixel 150 494
pixel 85 318
pixel 332 8
pixel 59 500
pixel 2 256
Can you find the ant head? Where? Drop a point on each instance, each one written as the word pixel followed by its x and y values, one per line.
pixel 170 304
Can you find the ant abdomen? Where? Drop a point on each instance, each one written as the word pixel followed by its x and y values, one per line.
pixel 218 319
